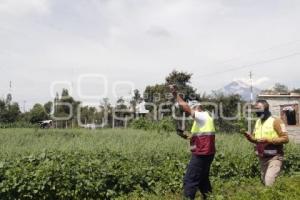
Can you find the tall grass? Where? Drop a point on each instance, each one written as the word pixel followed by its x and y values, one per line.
pixel 126 141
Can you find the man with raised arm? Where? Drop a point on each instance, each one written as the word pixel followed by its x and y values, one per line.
pixel 202 145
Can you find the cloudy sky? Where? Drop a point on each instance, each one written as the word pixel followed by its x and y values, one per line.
pixel 90 45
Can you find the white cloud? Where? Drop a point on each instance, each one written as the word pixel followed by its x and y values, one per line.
pixel 23 7
pixel 261 81
pixel 157 31
pixel 142 41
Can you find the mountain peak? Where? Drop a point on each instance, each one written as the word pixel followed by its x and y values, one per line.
pixel 242 88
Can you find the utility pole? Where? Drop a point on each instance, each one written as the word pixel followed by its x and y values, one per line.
pixel 9 95
pixel 251 102
pixel 251 87
pixel 24 106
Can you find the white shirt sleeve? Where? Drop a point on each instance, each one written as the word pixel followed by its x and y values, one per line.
pixel 200 118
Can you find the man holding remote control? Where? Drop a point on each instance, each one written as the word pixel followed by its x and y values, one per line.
pixel 202 144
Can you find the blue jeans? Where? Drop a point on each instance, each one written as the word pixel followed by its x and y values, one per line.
pixel 197 176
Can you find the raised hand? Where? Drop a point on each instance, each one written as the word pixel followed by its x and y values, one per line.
pixel 173 89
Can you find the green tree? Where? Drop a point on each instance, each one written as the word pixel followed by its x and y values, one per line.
pixel 66 106
pixel 280 88
pixel 2 106
pixel 9 112
pixel 121 111
pixel 88 114
pixel 182 81
pixel 48 107
pixel 227 107
pixel 156 94
pixel 38 113
pixel 106 111
pixel 135 100
pixel 160 93
pixel 8 98
pixel 296 90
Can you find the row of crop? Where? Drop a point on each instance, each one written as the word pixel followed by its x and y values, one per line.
pixel 167 124
pixel 19 124
pixel 107 175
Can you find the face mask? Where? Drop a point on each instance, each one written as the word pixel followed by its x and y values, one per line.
pixel 263 114
pixel 260 114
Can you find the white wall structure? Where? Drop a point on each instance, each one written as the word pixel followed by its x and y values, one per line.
pixel 280 103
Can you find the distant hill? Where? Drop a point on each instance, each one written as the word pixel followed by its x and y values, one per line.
pixel 242 88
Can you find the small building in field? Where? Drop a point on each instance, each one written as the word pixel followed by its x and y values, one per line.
pixel 286 106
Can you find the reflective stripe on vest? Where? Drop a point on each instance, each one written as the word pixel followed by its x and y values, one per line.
pixel 207 129
pixel 266 129
pixel 204 134
pixel 268 152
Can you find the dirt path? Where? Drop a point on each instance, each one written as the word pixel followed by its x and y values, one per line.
pixel 294 134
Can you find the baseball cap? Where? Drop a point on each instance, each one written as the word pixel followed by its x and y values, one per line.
pixel 194 103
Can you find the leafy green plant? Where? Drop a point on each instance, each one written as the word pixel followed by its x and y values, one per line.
pixel 111 164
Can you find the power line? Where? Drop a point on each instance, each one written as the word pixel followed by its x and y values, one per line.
pixel 260 51
pixel 250 65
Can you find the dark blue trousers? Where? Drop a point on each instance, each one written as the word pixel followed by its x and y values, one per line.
pixel 197 176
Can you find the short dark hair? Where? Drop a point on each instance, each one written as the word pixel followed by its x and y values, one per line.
pixel 198 107
pixel 265 103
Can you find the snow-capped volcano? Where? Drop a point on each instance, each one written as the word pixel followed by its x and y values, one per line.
pixel 242 88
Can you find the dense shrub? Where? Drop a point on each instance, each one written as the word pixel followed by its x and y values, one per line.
pixel 84 164
pixel 165 125
pixel 19 124
pixel 107 175
pixel 143 124
pixel 248 189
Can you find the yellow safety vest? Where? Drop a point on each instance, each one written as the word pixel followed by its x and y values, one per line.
pixel 208 128
pixel 266 129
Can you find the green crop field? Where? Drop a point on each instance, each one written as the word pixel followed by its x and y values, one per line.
pixel 128 164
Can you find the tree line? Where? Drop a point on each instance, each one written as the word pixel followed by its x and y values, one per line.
pixel 156 97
